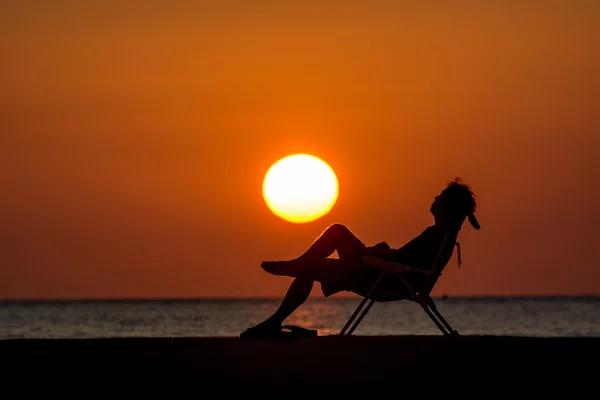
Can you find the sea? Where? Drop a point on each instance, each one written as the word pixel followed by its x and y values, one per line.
pixel 537 317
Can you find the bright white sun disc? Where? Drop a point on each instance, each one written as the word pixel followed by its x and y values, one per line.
pixel 300 188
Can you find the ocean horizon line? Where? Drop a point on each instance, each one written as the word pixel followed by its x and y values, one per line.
pixel 442 297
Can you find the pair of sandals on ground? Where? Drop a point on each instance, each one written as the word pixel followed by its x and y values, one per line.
pixel 271 331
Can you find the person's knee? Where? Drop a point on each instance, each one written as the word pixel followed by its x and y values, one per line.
pixel 338 229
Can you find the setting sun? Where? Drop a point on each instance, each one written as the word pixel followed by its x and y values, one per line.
pixel 300 188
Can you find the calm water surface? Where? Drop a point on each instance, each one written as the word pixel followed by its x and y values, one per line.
pixel 95 319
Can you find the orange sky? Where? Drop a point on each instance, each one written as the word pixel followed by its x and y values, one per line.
pixel 134 139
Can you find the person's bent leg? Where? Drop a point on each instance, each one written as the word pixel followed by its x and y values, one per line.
pixel 296 295
pixel 334 275
pixel 313 265
pixel 337 237
pixel 328 271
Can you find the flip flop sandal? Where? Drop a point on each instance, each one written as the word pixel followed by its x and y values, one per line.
pixel 283 332
pixel 262 332
pixel 298 331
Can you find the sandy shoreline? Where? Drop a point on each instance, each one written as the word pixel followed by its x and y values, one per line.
pixel 328 361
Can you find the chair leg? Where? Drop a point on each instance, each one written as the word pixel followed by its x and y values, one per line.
pixel 434 319
pixel 364 313
pixel 439 316
pixel 427 304
pixel 362 303
pixel 360 306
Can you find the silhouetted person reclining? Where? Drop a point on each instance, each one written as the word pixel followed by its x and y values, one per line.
pixel 349 272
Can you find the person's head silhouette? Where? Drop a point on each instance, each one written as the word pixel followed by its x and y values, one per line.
pixel 455 203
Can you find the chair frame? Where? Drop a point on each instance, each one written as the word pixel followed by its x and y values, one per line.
pixel 420 296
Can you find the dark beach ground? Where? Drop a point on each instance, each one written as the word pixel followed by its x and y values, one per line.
pixel 343 364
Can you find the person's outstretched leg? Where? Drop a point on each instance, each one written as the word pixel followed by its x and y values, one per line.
pixel 335 238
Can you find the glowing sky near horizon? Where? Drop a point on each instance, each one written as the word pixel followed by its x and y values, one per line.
pixel 134 138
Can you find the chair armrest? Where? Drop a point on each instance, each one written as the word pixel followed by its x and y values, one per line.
pixel 393 267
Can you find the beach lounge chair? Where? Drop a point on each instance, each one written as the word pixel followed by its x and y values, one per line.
pixel 420 295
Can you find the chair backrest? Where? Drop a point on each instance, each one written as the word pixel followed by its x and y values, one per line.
pixel 441 260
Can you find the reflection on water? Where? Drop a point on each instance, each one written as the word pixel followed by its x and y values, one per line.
pixel 524 317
